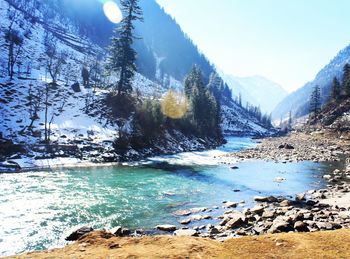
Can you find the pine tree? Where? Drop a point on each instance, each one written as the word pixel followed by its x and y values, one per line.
pixel 336 89
pixel 346 80
pixel 122 56
pixel 194 77
pixel 315 101
pixel 205 110
pixel 290 121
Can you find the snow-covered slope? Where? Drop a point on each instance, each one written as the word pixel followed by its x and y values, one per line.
pixel 256 90
pixel 298 101
pixel 79 120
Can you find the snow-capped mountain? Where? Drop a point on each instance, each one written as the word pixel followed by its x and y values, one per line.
pixel 256 90
pixel 298 101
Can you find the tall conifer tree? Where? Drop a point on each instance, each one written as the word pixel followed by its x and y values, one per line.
pixel 346 80
pixel 122 56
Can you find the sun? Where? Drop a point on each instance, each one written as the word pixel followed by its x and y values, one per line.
pixel 112 11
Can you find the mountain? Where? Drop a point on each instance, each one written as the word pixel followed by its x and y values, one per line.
pixel 79 117
pixel 298 101
pixel 159 35
pixel 256 90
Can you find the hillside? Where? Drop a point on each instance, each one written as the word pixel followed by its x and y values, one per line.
pixel 256 90
pixel 298 101
pixel 77 116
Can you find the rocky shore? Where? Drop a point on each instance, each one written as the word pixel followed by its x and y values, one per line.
pixel 86 153
pixel 294 148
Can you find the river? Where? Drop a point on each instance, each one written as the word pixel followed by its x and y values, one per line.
pixel 39 209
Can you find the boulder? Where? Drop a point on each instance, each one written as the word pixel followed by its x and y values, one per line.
pixel 182 212
pixel 117 231
pixel 186 232
pixel 168 228
pixel 267 214
pixel 76 87
pixel 300 226
pixel 280 224
pixel 285 203
pixel 79 233
pixel 185 221
pixel 257 210
pixel 300 197
pixel 235 221
pixel 265 199
pixel 231 204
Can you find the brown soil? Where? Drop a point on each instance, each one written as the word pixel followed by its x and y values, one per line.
pixel 333 244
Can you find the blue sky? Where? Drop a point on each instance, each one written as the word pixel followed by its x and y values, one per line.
pixel 287 41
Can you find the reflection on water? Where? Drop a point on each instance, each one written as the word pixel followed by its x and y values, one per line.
pixel 38 209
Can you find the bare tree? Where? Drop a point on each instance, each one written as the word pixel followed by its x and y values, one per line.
pixel 34 99
pixel 54 59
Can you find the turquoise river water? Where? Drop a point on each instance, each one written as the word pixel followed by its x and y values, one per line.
pixel 39 209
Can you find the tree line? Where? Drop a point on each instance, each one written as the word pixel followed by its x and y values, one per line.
pixel 340 90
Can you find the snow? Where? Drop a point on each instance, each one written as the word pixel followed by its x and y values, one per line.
pixel 75 124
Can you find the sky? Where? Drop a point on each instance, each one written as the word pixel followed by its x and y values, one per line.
pixel 287 41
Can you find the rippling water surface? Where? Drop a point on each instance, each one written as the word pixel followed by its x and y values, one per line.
pixel 39 209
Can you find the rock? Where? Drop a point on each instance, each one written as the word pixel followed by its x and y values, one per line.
pixel 186 232
pixel 76 87
pixel 213 231
pixel 185 221
pixel 182 212
pixel 257 210
pixel 336 171
pixel 231 204
pixel 197 210
pixel 327 177
pixel 300 197
pixel 200 217
pixel 125 232
pixel 280 225
pixel 324 225
pixel 261 198
pixel 168 228
pixel 288 146
pixel 234 222
pixel 79 233
pixel 300 226
pixel 285 146
pixel 117 231
pixel 268 214
pixel 285 203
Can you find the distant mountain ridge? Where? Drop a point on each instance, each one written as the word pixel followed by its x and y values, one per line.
pixel 298 101
pixel 165 52
pixel 256 90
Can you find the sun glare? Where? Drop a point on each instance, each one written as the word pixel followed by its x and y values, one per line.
pixel 112 11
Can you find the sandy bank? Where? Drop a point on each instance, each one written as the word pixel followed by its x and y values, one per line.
pixel 334 244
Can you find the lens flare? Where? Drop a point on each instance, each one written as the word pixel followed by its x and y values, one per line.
pixel 174 105
pixel 112 11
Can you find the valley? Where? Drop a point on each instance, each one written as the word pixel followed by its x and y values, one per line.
pixel 121 136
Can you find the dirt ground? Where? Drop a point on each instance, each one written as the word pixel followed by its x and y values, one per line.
pixel 331 244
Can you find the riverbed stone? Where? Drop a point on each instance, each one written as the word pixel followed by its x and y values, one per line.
pixel 168 228
pixel 301 226
pixel 186 232
pixel 257 210
pixel 280 224
pixel 186 221
pixel 79 233
pixel 231 204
